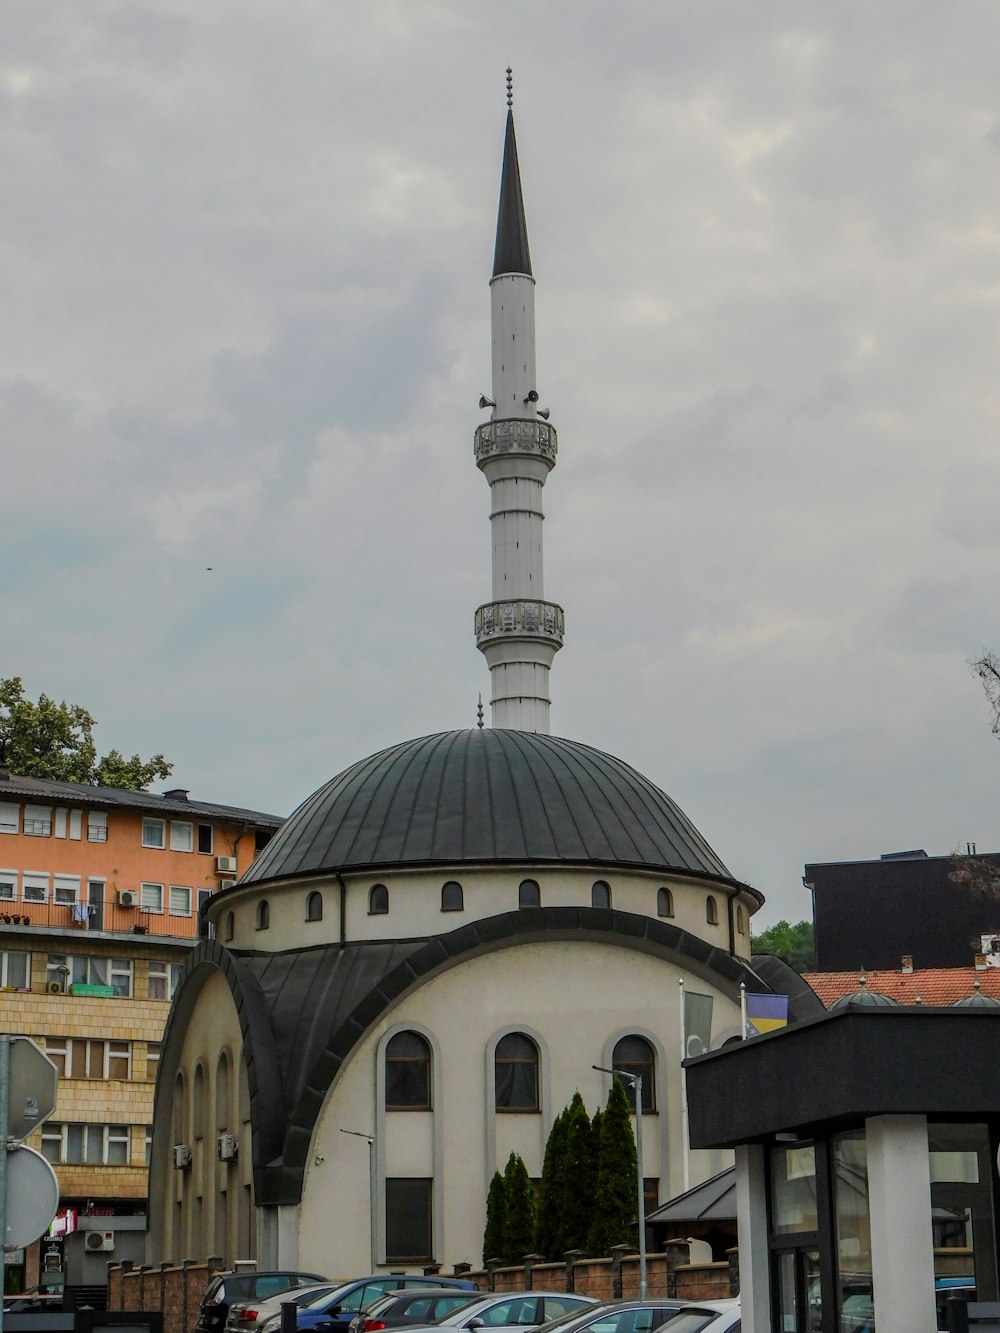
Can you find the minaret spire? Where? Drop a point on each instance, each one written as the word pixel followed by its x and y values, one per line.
pixel 518 632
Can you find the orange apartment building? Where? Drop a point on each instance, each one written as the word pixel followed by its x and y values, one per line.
pixel 101 892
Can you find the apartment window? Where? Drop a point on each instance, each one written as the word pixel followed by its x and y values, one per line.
pixel 8 885
pixel 38 821
pixel 180 900
pixel 66 890
pixel 151 897
pixel 206 841
pixel 152 1060
pixel 97 826
pixel 164 979
pixel 60 826
pixel 86 1057
pixel 34 887
pixel 15 968
pixel 154 833
pixel 149 1146
pixel 181 837
pixel 408 1219
pixel 10 817
pixel 85 1145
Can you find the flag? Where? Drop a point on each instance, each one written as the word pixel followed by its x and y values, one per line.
pixel 697 1023
pixel 765 1013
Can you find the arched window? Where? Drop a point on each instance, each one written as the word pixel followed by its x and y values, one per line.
pixel 711 911
pixel 222 1093
pixel 230 925
pixel 741 920
pixel 529 894
pixel 600 894
pixel 378 900
pixel 452 897
pixel 516 1073
pixel 635 1056
pixel 664 902
pixel 263 914
pixel 407 1073
pixel 198 1103
pixel 314 906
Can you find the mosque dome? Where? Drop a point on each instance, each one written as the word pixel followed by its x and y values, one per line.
pixel 977 1000
pixel 487 796
pixel 865 999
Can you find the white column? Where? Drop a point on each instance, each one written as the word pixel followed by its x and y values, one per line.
pixel 899 1204
pixel 752 1228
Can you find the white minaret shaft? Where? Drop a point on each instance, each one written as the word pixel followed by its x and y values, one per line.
pixel 519 633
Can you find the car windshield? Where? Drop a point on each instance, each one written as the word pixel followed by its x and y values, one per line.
pixel 572 1318
pixel 333 1295
pixel 690 1321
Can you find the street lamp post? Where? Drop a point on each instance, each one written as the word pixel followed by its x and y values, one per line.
pixel 372 1222
pixel 636 1081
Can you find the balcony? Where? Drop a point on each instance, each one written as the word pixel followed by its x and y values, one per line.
pixel 105 917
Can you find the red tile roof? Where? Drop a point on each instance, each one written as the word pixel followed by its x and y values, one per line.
pixel 933 985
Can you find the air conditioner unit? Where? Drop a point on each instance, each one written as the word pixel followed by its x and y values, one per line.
pixel 128 898
pixel 227 1147
pixel 225 865
pixel 99 1240
pixel 182 1156
pixel 55 988
pixel 226 883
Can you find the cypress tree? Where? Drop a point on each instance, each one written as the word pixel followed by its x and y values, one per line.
pixel 579 1178
pixel 496 1212
pixel 549 1217
pixel 519 1211
pixel 617 1178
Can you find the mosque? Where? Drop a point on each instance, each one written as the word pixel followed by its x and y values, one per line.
pixel 440 944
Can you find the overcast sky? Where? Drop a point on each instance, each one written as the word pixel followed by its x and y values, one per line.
pixel 244 260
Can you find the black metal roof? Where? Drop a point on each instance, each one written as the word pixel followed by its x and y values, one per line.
pixel 714 1199
pixel 80 793
pixel 511 252
pixel 484 796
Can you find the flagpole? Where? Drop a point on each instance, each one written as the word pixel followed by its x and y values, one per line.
pixel 684 1092
pixel 743 1008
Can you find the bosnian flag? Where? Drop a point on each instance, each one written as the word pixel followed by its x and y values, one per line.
pixel 765 1013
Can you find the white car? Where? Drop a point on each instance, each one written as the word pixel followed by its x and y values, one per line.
pixel 505 1312
pixel 705 1317
pixel 249 1315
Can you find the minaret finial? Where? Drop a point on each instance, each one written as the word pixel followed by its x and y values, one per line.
pixel 510 88
pixel 479 713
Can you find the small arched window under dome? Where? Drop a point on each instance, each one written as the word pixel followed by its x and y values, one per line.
pixel 529 894
pixel 741 919
pixel 230 926
pixel 452 897
pixel 407 1073
pixel 378 900
pixel 516 1073
pixel 634 1055
pixel 664 902
pixel 314 906
pixel 711 911
pixel 600 893
pixel 263 914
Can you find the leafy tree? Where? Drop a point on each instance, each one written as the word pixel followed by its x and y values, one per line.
pixel 987 670
pixel 55 741
pixel 974 873
pixel 795 944
pixel 548 1221
pixel 615 1201
pixel 519 1211
pixel 496 1214
pixel 579 1178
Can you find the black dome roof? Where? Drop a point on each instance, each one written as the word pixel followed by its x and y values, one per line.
pixel 486 795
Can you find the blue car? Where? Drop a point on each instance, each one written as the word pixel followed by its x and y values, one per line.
pixel 333 1312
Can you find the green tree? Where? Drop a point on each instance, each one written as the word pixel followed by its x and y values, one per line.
pixel 519 1211
pixel 615 1203
pixel 795 944
pixel 548 1221
pixel 496 1214
pixel 579 1178
pixel 55 741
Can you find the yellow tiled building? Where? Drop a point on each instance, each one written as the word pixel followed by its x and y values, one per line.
pixel 101 898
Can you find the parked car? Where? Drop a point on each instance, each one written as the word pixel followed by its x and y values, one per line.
pixel 225 1288
pixel 333 1312
pixel 34 1299
pixel 251 1314
pixel 508 1310
pixel 705 1317
pixel 617 1317
pixel 403 1308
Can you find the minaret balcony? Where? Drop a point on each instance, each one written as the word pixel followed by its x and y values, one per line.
pixel 516 435
pixel 520 619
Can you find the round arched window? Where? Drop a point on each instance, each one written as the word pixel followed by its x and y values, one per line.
pixel 230 925
pixel 634 1055
pixel 407 1073
pixel 529 894
pixel 263 914
pixel 452 897
pixel 711 911
pixel 516 1070
pixel 600 893
pixel 378 900
pixel 314 906
pixel 664 902
pixel 741 919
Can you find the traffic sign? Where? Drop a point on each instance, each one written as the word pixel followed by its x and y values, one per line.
pixel 32 1198
pixel 33 1081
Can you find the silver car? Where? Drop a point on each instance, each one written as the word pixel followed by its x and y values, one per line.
pixel 509 1310
pixel 247 1315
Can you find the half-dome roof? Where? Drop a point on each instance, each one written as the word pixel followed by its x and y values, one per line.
pixel 486 796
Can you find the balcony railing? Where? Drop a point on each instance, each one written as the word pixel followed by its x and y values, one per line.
pixel 107 916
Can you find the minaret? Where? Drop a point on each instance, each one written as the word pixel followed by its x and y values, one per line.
pixel 518 632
